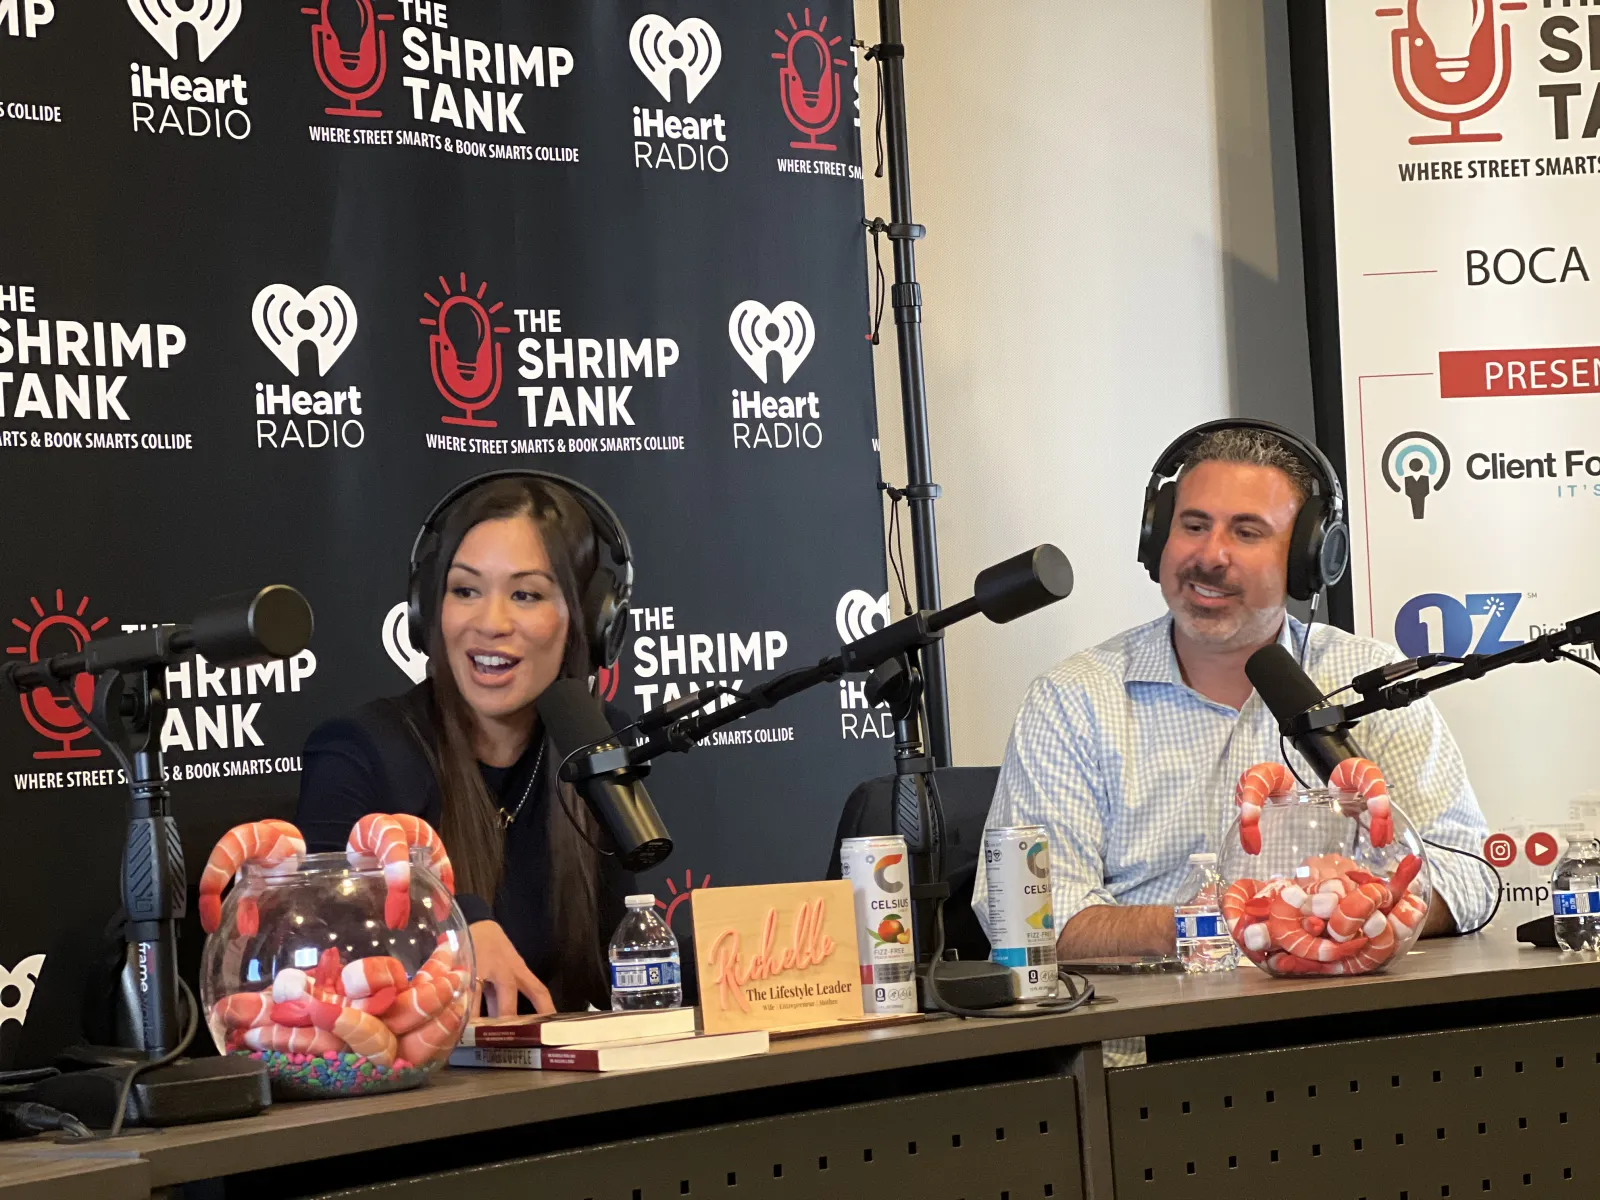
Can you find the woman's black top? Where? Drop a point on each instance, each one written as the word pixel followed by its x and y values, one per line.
pixel 374 761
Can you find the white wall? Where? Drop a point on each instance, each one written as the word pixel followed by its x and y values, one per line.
pixel 1113 255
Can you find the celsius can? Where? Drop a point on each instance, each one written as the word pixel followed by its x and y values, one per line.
pixel 878 871
pixel 1022 933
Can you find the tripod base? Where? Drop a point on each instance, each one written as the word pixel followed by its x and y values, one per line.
pixel 968 985
pixel 191 1090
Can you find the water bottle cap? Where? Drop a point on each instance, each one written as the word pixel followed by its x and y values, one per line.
pixel 1203 859
pixel 640 901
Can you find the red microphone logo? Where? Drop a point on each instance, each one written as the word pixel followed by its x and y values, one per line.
pixel 1450 63
pixel 606 680
pixel 51 716
pixel 463 352
pixel 807 82
pixel 350 52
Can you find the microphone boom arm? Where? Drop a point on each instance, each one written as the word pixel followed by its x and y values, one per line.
pixel 1547 647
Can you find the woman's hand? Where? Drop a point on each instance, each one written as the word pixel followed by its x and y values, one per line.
pixel 503 974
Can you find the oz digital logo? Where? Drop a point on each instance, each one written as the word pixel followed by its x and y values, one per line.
pixel 1417 464
pixel 1434 623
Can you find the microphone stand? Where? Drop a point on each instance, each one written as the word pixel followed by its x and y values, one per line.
pixel 127 714
pixel 1003 592
pixel 1547 647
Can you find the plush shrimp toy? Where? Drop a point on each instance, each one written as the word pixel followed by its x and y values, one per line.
pixel 387 838
pixel 1267 780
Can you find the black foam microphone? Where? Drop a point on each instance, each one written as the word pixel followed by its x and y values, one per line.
pixel 1288 692
pixel 608 783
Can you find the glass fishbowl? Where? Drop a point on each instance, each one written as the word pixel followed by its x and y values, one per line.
pixel 331 999
pixel 1320 898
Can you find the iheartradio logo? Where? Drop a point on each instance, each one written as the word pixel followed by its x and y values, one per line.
pixel 325 316
pixel 397 644
pixel 756 331
pixel 858 614
pixel 22 977
pixel 659 48
pixel 463 353
pixel 211 20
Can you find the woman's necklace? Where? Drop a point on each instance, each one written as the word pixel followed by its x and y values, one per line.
pixel 507 817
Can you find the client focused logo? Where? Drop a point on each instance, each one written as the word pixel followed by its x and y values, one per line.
pixel 19 979
pixel 1417 464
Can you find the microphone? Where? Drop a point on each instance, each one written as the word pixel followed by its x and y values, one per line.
pixel 274 622
pixel 1288 693
pixel 608 783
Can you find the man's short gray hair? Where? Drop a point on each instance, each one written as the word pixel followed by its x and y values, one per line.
pixel 1257 447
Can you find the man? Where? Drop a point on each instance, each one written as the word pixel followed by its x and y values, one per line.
pixel 1128 753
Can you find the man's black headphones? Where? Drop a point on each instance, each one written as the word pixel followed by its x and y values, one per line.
pixel 1319 548
pixel 605 597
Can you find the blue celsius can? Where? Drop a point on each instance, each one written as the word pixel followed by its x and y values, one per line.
pixel 1022 928
pixel 880 873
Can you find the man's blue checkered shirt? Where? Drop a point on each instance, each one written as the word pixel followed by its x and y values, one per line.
pixel 1132 771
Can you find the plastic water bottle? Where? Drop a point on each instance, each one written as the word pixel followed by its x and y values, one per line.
pixel 1204 943
pixel 644 960
pixel 1575 894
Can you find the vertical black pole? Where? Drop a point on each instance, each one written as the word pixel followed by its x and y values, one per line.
pixel 906 297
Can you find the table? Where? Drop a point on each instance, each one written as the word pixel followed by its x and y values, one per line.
pixel 1409 1081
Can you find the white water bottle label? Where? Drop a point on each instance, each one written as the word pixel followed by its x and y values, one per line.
pixel 1575 904
pixel 641 974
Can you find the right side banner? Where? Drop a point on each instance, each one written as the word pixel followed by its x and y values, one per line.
pixel 1466 182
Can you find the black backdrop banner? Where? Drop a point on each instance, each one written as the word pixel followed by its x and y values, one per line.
pixel 273 277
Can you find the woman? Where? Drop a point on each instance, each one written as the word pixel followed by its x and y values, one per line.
pixel 508 593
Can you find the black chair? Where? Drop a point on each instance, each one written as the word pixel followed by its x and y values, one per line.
pixel 966 792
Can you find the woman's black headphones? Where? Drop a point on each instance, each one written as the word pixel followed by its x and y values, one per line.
pixel 605 598
pixel 1319 548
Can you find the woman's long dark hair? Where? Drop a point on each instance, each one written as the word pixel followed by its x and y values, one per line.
pixel 472 827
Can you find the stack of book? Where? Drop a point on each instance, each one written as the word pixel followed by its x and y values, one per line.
pixel 600 1041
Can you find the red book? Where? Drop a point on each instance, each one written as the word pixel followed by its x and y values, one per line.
pixel 567 1029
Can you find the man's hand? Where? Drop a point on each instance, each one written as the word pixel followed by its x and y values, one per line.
pixel 1440 921
pixel 1102 930
pixel 503 974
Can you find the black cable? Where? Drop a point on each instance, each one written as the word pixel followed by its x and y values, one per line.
pixel 1582 662
pixel 24 1118
pixel 896 540
pixel 1075 999
pixel 1499 880
pixel 880 286
pixel 191 1027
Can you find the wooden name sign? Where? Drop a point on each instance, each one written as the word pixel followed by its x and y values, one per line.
pixel 775 956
